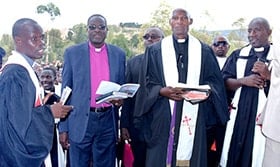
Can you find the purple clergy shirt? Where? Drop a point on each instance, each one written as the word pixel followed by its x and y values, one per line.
pixel 99 70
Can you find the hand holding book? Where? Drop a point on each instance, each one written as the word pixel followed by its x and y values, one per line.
pixel 193 94
pixel 109 91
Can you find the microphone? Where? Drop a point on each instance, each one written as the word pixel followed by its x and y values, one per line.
pixel 181 61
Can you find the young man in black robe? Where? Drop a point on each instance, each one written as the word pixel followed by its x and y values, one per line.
pixel 47 79
pixel 179 58
pixel 26 125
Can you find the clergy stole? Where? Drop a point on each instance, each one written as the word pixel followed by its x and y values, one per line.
pixel 17 58
pixel 259 139
pixel 181 140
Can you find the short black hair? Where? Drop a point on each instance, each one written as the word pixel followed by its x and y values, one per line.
pixel 17 27
pixel 51 69
pixel 97 15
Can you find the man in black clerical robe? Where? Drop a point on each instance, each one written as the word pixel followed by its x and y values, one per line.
pixel 240 152
pixel 25 130
pixel 153 114
pixel 26 125
pixel 247 77
pixel 179 58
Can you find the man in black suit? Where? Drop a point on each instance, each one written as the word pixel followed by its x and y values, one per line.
pixel 128 130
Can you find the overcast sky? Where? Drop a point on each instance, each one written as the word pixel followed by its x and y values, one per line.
pixel 222 12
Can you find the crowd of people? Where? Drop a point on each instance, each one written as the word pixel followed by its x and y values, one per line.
pixel 236 125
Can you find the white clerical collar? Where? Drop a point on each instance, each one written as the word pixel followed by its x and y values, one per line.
pixel 181 40
pixel 260 49
pixel 97 49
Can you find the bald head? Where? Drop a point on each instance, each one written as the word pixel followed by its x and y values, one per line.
pixel 259 32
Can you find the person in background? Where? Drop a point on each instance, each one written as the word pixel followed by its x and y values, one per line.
pixel 90 131
pixel 2 54
pixel 271 118
pixel 246 76
pixel 128 131
pixel 176 131
pixel 26 124
pixel 220 47
pixel 47 78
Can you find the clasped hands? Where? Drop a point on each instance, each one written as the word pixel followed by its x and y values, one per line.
pixel 172 93
pixel 260 76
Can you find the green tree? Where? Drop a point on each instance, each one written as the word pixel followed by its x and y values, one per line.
pixel 50 8
pixel 78 33
pixel 121 41
pixel 159 18
pixel 6 43
pixel 55 45
pixel 53 11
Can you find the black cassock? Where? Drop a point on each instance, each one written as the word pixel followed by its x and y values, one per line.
pixel 241 145
pixel 51 99
pixel 26 131
pixel 153 113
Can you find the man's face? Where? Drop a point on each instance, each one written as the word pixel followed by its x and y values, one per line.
pixel 31 41
pixel 97 31
pixel 258 35
pixel 180 23
pixel 220 47
pixel 47 79
pixel 152 35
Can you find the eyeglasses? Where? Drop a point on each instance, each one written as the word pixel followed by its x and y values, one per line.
pixel 147 36
pixel 220 43
pixel 94 27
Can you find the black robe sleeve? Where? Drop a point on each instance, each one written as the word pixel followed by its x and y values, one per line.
pixel 26 131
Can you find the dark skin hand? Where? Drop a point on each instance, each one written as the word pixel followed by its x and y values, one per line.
pixel 171 93
pixel 125 134
pixel 258 80
pixel 253 80
pixel 63 137
pixel 59 110
pixel 116 102
pixel 63 140
pixel 262 69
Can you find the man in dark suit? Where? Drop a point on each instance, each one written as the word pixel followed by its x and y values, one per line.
pixel 91 129
pixel 128 129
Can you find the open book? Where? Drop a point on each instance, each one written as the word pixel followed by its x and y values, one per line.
pixel 194 93
pixel 109 91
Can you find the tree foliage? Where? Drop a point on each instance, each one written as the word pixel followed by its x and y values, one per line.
pixel 6 43
pixel 50 8
pixel 128 36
